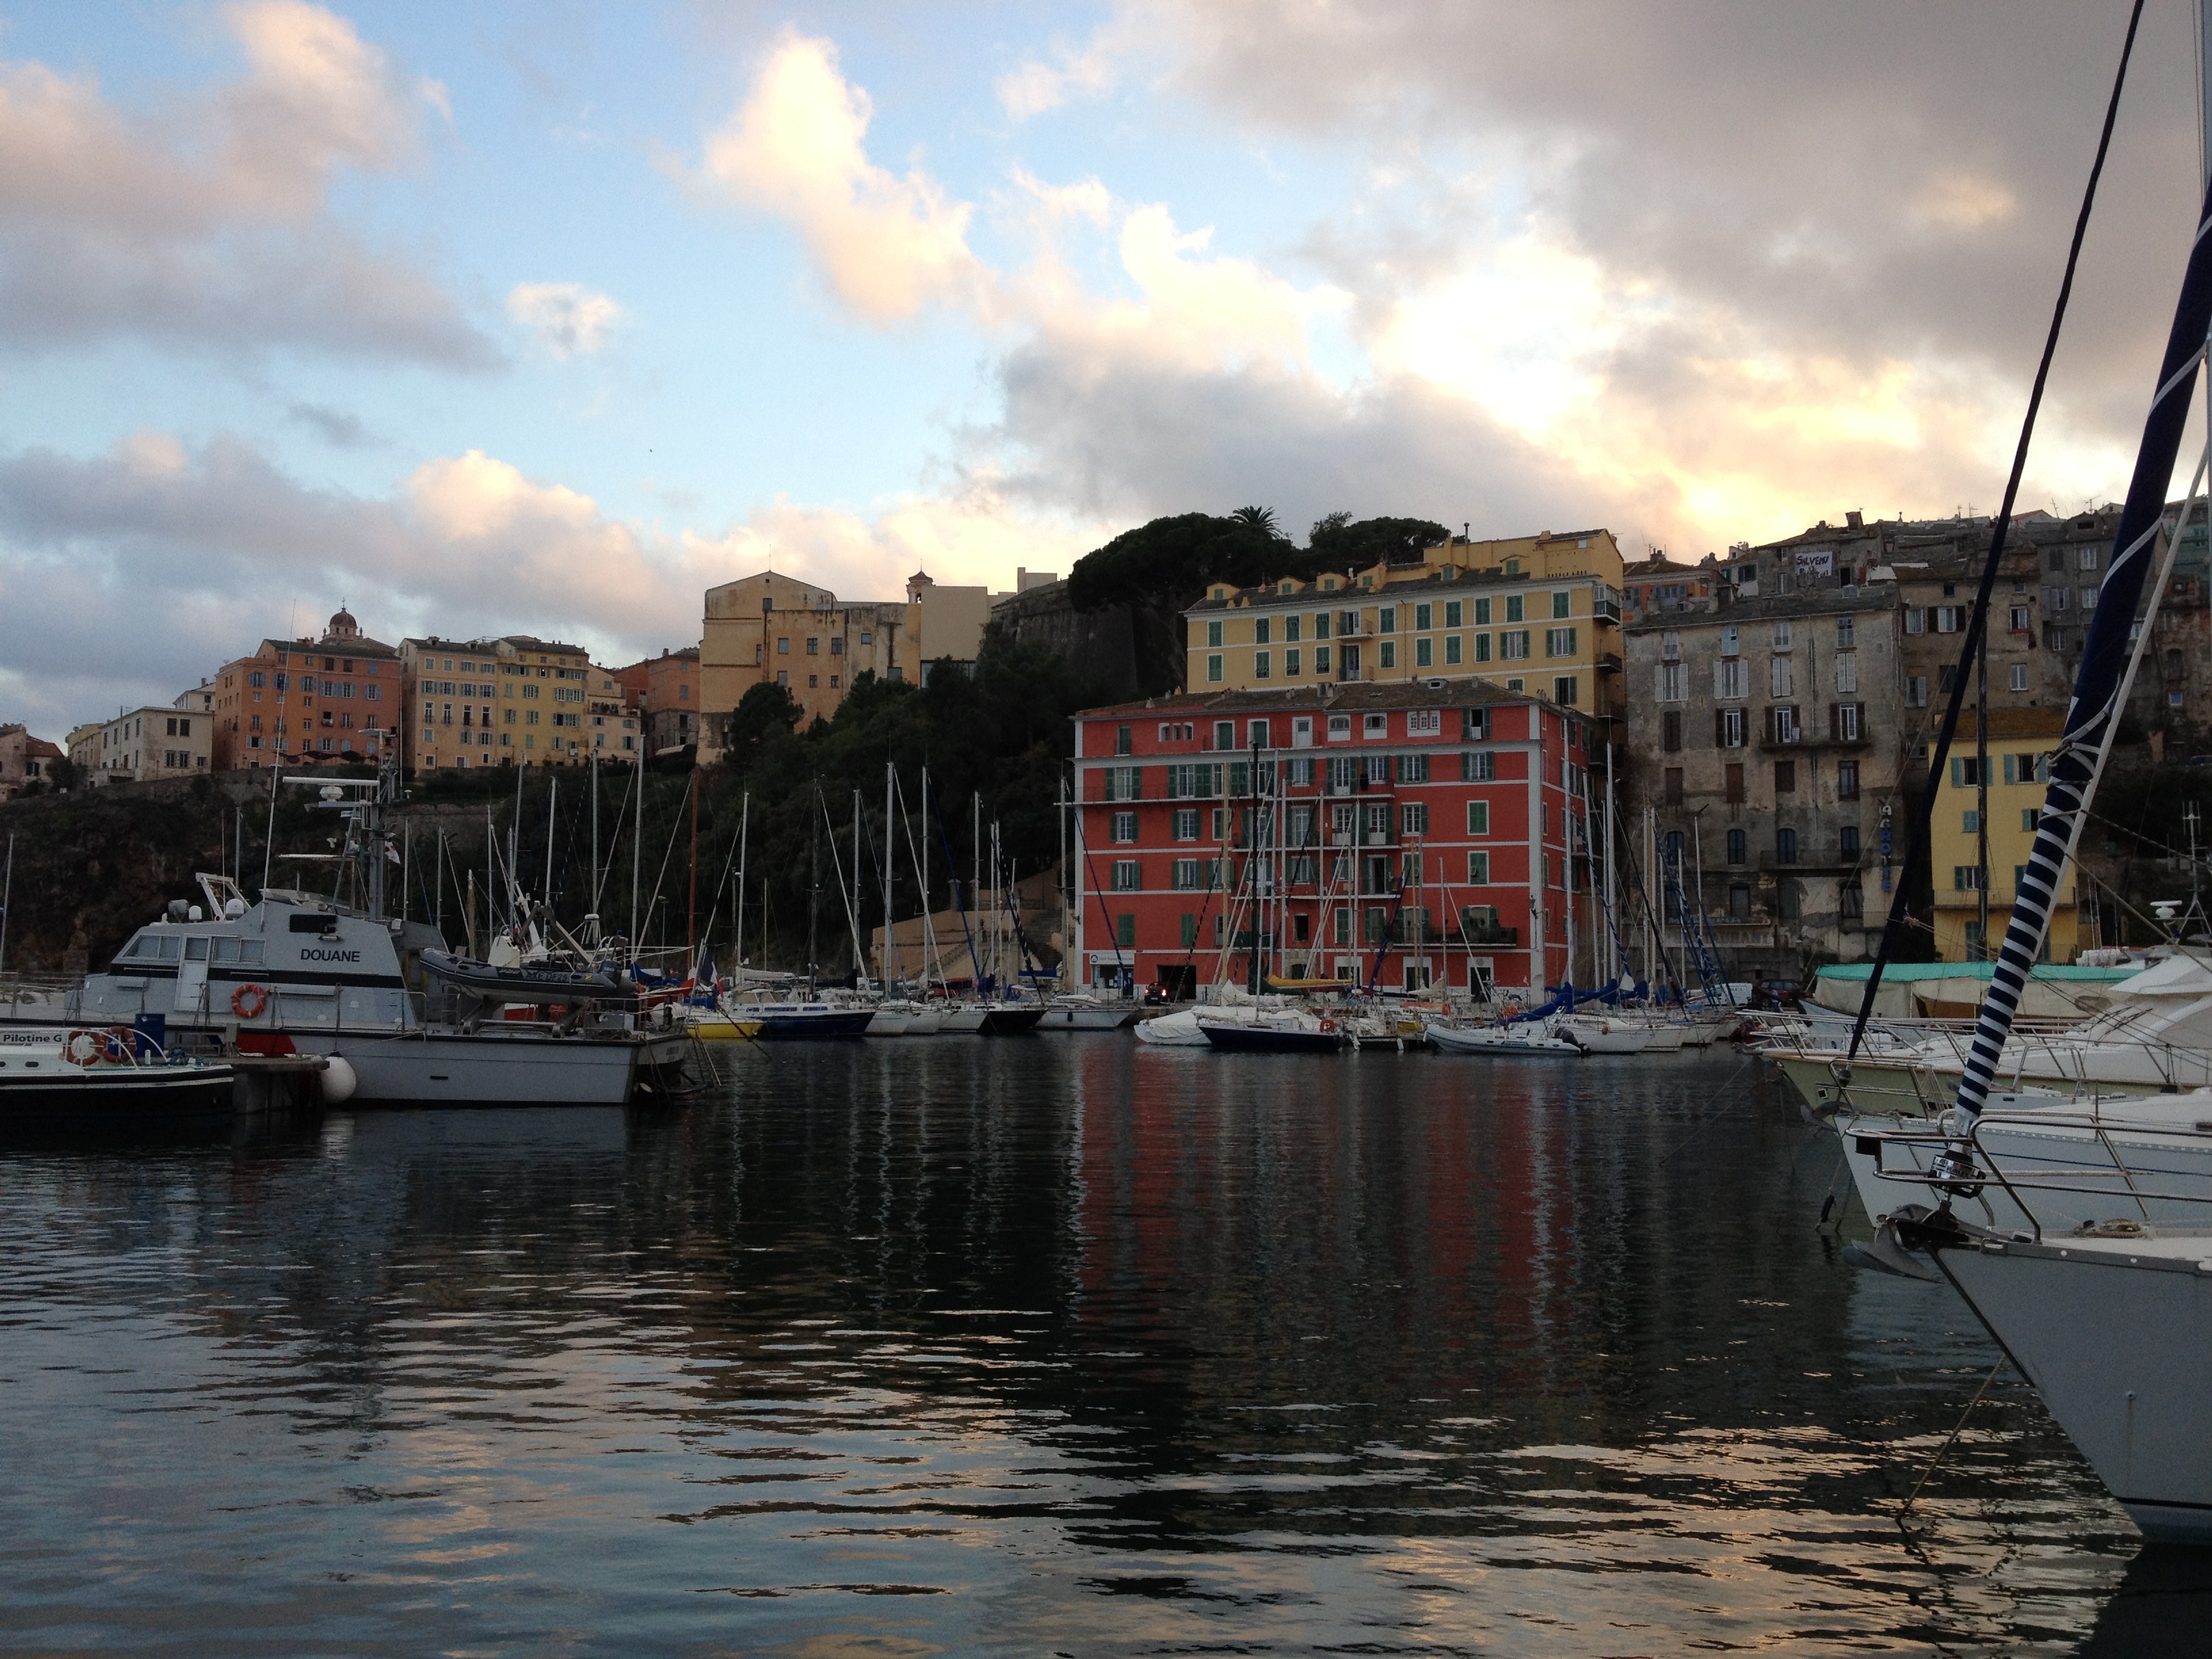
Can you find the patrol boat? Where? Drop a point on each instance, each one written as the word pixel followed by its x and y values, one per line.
pixel 299 972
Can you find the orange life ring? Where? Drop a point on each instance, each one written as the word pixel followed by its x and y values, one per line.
pixel 97 1040
pixel 1329 1025
pixel 248 1000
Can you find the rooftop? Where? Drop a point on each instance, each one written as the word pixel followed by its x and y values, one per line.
pixel 1354 697
pixel 1811 602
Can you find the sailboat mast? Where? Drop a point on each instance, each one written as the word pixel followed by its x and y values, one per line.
pixel 745 831
pixel 636 855
pixel 1612 895
pixel 890 780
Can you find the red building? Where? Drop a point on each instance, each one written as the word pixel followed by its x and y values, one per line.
pixel 1410 835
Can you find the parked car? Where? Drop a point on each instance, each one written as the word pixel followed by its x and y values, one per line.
pixel 1775 993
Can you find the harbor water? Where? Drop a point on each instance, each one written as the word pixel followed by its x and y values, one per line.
pixel 1054 1345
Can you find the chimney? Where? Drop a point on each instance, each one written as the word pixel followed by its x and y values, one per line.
pixel 1854 520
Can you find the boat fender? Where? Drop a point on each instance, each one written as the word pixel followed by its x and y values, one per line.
pixel 248 1000
pixel 83 1048
pixel 339 1081
pixel 1329 1025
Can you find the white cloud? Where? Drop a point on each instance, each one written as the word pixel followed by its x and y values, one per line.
pixel 1036 87
pixel 568 319
pixel 888 246
pixel 225 548
pixel 211 225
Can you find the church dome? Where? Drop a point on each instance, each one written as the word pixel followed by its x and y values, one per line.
pixel 342 626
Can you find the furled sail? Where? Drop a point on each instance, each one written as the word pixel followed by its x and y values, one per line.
pixel 2101 682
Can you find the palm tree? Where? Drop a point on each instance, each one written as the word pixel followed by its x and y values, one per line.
pixel 1259 518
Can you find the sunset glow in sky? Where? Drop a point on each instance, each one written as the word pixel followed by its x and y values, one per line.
pixel 543 318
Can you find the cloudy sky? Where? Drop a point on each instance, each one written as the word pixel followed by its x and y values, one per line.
pixel 544 317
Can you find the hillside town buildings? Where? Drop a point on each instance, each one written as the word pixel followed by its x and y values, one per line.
pixel 516 700
pixel 665 692
pixel 24 760
pixel 334 699
pixel 1539 617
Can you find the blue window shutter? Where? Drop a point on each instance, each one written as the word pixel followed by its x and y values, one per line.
pixel 1957 773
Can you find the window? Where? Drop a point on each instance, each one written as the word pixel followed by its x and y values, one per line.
pixel 1259 664
pixel 1482 647
pixel 782 648
pixel 1125 931
pixel 1562 605
pixel 1785 846
pixel 1413 769
pixel 2020 677
pixel 2027 820
pixel 1422 618
pixel 1728 647
pixel 1950 618
pixel 1372 726
pixel 1737 848
pixel 1214 633
pixel 1847 840
pixel 1670 731
pixel 1845 721
pixel 1452 612
pixel 1965 771
pixel 1847 781
pixel 1389 650
pixel 1482 613
pixel 1413 819
pixel 1970 822
pixel 1727 728
pixel 1846 632
pixel 1424 652
pixel 1183 875
pixel 1185 823
pixel 1670 646
pixel 2088 596
pixel 1916 691
pixel 1125 875
pixel 1785 777
pixel 1213 670
pixel 1260 630
pixel 1782 681
pixel 1782 634
pixel 2086 558
pixel 1847 672
pixel 1732 776
pixel 1480 766
pixel 1452 644
pixel 1916 619
pixel 1781 725
pixel 1674 682
pixel 1122 827
pixel 1563 691
pixel 1559 641
pixel 1478 869
pixel 1387 619
pixel 1730 678
pixel 1478 817
pixel 1291 663
pixel 1966 878
pixel 1738 898
pixel 1673 780
pixel 1513 646
pixel 1513 608
pixel 1321 659
pixel 1291 629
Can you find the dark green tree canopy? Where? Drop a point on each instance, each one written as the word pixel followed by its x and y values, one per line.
pixel 1171 561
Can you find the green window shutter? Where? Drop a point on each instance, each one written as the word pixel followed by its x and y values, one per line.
pixel 1957 773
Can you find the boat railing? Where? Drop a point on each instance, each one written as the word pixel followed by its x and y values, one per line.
pixel 2118 1179
pixel 29 992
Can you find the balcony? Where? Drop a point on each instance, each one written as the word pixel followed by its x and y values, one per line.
pixel 1809 861
pixel 1489 936
pixel 1807 738
pixel 1608 662
pixel 1605 610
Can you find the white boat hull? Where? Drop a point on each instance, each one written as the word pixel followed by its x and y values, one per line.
pixel 499 1068
pixel 1501 1041
pixel 1087 1016
pixel 890 1022
pixel 2113 1334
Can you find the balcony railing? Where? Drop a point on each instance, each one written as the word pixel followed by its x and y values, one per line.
pixel 1608 662
pixel 1807 858
pixel 1490 935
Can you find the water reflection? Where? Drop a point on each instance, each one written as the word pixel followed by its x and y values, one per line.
pixel 1056 1344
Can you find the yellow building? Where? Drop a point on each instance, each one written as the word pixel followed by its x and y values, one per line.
pixel 2019 745
pixel 512 700
pixel 1539 615
pixel 772 629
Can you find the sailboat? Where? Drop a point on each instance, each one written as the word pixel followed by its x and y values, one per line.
pixel 2108 1319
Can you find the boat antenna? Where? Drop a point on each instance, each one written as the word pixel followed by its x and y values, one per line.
pixel 1916 847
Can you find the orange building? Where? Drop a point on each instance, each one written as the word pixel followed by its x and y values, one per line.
pixel 306 701
pixel 664 690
